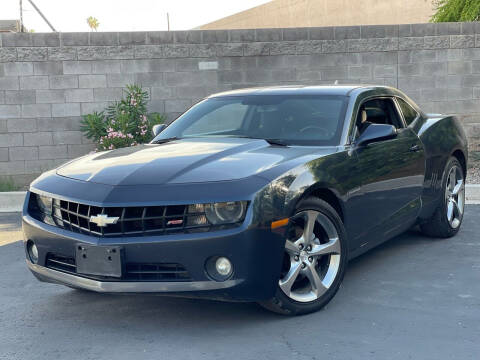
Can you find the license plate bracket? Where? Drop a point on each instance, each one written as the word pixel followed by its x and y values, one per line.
pixel 99 260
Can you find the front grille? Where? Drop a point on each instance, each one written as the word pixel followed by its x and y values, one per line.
pixel 62 263
pixel 156 272
pixel 133 271
pixel 132 221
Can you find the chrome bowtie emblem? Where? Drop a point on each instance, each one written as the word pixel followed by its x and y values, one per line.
pixel 103 220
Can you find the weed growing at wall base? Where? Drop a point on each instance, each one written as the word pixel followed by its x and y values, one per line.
pixel 7 184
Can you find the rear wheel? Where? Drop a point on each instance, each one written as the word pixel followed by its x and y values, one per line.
pixel 447 219
pixel 314 260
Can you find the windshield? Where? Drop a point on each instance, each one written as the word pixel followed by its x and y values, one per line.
pixel 290 119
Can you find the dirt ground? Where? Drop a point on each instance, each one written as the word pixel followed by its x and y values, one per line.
pixel 473 175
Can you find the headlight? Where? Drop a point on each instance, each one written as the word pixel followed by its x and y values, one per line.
pixel 45 204
pixel 196 215
pixel 226 212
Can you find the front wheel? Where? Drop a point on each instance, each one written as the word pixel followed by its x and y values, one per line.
pixel 314 261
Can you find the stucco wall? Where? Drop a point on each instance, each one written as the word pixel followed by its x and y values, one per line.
pixel 295 13
pixel 48 81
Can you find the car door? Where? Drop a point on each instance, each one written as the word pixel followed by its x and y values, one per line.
pixel 392 174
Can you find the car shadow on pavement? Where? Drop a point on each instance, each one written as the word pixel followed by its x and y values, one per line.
pixel 147 312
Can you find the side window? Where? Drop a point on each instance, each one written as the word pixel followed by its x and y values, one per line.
pixel 378 111
pixel 409 113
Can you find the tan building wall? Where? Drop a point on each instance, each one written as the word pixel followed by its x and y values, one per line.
pixel 308 13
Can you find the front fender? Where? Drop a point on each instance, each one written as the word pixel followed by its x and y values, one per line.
pixel 331 173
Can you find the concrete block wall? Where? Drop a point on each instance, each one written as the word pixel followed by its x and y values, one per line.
pixel 48 81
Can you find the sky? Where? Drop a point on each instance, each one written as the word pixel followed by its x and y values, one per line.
pixel 123 15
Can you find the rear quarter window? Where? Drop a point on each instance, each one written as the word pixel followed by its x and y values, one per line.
pixel 409 113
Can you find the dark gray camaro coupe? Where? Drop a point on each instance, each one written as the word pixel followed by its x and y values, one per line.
pixel 256 195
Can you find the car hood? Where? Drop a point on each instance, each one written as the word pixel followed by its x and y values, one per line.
pixel 186 161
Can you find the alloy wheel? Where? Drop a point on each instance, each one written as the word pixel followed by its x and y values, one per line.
pixel 455 196
pixel 312 256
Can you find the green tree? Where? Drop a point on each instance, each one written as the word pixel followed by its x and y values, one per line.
pixel 456 10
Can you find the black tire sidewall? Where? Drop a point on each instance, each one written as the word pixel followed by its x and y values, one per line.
pixel 438 225
pixel 443 204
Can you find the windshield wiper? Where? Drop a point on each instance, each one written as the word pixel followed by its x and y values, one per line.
pixel 278 142
pixel 163 141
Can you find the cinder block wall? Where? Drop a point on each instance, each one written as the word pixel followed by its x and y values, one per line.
pixel 48 81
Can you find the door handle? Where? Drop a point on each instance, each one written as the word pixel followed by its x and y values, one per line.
pixel 414 148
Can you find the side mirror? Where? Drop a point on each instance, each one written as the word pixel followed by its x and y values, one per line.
pixel 157 129
pixel 376 132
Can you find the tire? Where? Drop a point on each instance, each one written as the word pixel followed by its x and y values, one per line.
pixel 439 225
pixel 333 257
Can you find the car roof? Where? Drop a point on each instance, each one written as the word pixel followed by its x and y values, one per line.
pixel 298 90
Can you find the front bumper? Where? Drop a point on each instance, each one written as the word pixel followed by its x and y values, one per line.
pixel 256 255
pixel 49 275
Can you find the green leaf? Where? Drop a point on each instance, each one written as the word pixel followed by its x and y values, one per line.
pixel 125 118
pixel 456 11
pixel 94 126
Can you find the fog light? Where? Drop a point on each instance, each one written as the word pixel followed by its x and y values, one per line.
pixel 223 266
pixel 219 268
pixel 32 251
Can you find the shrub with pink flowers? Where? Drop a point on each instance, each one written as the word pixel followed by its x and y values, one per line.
pixel 123 123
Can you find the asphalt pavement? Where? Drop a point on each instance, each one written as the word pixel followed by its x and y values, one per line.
pixel 411 298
